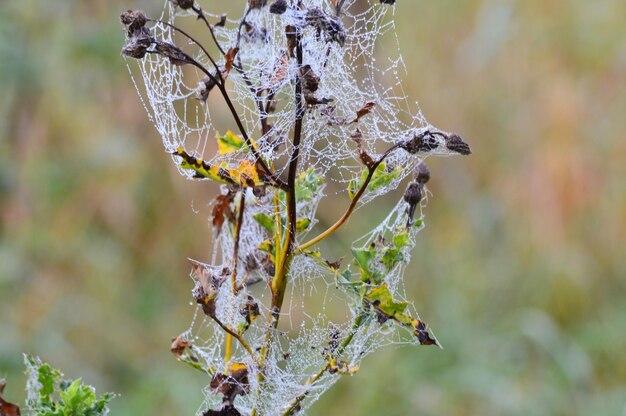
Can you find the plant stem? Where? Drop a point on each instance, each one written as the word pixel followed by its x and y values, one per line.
pixel 353 204
pixel 279 282
pixel 242 206
pixel 235 335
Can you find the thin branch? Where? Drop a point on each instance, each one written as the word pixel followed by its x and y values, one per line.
pixel 354 202
pixel 235 335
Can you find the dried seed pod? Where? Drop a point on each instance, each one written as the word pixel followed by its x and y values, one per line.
pixel 423 142
pixel 328 27
pixel 278 7
pixel 413 196
pixel 133 21
pixel 421 173
pixel 137 45
pixel 456 144
pixel 173 53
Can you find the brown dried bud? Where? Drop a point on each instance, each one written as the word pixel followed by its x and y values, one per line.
pixel 421 173
pixel 137 45
pixel 183 4
pixel 423 142
pixel 456 144
pixel 328 27
pixel 413 196
pixel 133 21
pixel 278 7
pixel 173 53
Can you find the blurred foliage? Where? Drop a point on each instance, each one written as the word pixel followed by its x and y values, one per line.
pixel 520 270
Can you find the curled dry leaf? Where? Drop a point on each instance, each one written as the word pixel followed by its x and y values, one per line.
pixel 230 58
pixel 6 408
pixel 363 111
pixel 222 210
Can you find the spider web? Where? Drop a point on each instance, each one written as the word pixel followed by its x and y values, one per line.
pixel 352 71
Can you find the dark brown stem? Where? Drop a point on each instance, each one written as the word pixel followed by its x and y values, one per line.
pixel 182 32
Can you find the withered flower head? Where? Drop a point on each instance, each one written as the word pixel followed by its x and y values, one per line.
pixel 133 20
pixel 138 36
pixel 456 144
pixel 278 7
pixel 421 173
pixel 413 193
pixel 328 27
pixel 183 4
pixel 137 46
pixel 423 142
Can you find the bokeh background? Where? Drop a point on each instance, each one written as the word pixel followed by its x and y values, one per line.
pixel 520 271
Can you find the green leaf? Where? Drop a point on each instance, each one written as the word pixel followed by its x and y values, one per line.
pixel 77 398
pixel 308 184
pixel 265 221
pixel 47 377
pixel 381 300
pixel 363 259
pixel 392 254
pixel 302 224
pixel 382 297
pixel 229 143
pixel 266 246
pixel 380 178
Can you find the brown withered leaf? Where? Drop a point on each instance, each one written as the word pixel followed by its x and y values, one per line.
pixel 233 384
pixel 178 345
pixel 230 58
pixel 250 311
pixel 280 70
pixel 367 160
pixel 363 111
pixel 222 211
pixel 335 265
pixel 6 408
pixel 207 285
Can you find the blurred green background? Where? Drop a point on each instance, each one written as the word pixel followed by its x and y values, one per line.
pixel 520 270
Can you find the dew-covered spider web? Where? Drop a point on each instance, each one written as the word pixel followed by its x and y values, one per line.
pixel 357 106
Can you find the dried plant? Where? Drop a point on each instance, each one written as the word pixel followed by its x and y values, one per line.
pixel 308 105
